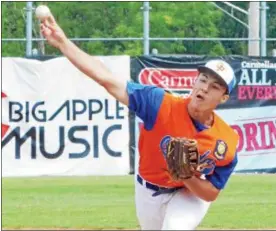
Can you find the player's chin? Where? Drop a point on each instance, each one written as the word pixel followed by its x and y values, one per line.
pixel 201 104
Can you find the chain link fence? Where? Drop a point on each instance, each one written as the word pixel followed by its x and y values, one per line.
pixel 116 28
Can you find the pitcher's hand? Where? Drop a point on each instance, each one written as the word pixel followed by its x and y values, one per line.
pixel 52 32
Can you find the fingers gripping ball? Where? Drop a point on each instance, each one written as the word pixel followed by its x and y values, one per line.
pixel 42 12
pixel 182 158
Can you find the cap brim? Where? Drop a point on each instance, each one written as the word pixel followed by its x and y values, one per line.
pixel 206 69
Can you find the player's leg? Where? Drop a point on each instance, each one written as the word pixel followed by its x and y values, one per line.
pixel 184 211
pixel 150 210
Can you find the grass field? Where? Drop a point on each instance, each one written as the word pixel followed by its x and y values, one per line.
pixel 249 202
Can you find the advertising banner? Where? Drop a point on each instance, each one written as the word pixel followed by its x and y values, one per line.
pixel 256 78
pixel 57 121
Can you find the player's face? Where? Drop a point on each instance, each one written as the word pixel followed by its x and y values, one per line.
pixel 208 92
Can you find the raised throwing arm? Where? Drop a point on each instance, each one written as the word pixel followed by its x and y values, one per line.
pixel 86 63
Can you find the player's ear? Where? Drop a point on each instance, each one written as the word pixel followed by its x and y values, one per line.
pixel 224 98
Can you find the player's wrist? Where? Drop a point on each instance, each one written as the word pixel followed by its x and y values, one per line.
pixel 64 44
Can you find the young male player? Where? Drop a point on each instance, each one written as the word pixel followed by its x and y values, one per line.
pixel 160 202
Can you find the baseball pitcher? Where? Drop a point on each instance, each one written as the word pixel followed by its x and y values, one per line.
pixel 187 152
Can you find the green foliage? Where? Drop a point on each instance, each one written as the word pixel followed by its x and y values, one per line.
pixel 125 19
pixel 13 26
pixel 271 25
pixel 184 19
pixel 232 29
pixel 101 19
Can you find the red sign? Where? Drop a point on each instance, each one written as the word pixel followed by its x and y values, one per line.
pixel 169 79
pixel 4 127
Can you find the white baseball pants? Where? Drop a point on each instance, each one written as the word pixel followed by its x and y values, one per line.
pixel 174 211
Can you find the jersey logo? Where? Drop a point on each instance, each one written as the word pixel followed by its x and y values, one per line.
pixel 206 164
pixel 220 149
pixel 164 144
pixel 220 67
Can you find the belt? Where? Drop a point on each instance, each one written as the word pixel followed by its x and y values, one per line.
pixel 158 190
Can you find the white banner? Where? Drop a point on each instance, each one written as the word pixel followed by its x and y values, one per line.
pixel 56 121
pixel 257 131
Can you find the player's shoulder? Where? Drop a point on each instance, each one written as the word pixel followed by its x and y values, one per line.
pixel 225 129
pixel 176 98
pixel 134 86
pixel 171 107
pixel 227 142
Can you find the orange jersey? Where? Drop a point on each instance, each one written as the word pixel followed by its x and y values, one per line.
pixel 166 116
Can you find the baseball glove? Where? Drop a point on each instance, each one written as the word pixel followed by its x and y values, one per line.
pixel 182 158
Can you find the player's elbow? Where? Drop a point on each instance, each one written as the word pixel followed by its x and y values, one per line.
pixel 105 83
pixel 117 90
pixel 211 195
pixel 210 198
pixel 108 85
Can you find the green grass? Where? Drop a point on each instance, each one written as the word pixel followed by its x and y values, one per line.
pixel 249 201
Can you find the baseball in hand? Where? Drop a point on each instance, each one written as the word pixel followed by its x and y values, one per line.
pixel 42 12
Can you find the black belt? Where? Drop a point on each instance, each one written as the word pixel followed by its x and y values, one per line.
pixel 158 190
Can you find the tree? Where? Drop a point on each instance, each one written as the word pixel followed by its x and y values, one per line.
pixel 186 19
pixel 271 25
pixel 13 26
pixel 230 28
pixel 125 19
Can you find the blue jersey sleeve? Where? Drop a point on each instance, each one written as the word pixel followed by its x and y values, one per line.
pixel 145 101
pixel 221 174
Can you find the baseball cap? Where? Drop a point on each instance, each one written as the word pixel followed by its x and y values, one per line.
pixel 222 70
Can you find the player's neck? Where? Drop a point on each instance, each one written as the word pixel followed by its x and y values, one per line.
pixel 204 117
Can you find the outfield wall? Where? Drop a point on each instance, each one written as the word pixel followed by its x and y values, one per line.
pixel 56 121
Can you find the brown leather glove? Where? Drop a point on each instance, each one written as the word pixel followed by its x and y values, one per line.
pixel 182 158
